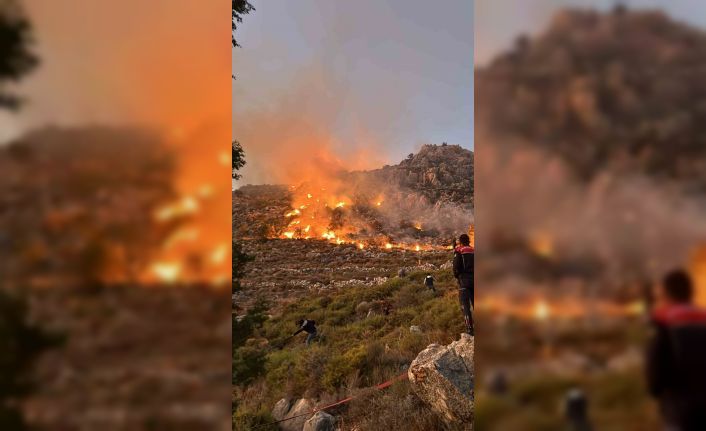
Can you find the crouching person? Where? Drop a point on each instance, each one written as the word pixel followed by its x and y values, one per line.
pixel 308 326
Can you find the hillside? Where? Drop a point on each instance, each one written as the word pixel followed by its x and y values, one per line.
pixel 438 172
pixel 621 90
pixel 385 230
pixel 435 185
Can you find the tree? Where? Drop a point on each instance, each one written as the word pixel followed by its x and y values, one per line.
pixel 16 56
pixel 240 259
pixel 240 8
pixel 238 159
pixel 21 344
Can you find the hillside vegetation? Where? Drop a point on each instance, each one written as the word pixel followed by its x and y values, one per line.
pixel 359 347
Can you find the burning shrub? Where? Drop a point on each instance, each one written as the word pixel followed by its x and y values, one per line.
pixel 84 209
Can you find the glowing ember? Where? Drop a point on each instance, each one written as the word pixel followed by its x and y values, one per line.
pixel 167 272
pixel 293 213
pixel 361 245
pixel 542 244
pixel 340 205
pixel 181 235
pixel 542 311
pixel 224 159
pixel 417 248
pixel 637 308
pixel 388 246
pixel 289 235
pixel 220 254
pixel 186 206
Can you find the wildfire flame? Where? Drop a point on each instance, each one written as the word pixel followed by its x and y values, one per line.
pixel 319 208
pixel 194 251
pixel 544 308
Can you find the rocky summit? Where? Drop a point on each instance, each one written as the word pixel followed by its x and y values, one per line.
pixel 621 89
pixel 438 172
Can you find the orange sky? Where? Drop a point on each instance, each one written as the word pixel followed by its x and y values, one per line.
pixel 164 64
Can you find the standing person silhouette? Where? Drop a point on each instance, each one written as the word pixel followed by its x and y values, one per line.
pixel 463 269
pixel 676 355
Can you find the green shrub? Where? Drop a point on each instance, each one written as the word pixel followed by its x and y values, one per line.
pixel 248 363
pixel 491 410
pixel 341 367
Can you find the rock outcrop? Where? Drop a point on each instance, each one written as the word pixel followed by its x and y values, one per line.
pixel 437 172
pixel 321 421
pixel 443 377
pixel 287 409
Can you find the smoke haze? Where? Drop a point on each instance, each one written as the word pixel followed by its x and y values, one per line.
pixel 365 82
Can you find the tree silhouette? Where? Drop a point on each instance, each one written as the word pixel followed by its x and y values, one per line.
pixel 21 343
pixel 16 56
pixel 238 159
pixel 240 8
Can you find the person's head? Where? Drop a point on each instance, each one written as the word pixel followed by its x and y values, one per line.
pixel 300 322
pixel 677 286
pixel 464 239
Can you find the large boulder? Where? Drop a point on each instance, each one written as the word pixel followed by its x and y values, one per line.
pixel 285 409
pixel 281 409
pixel 443 377
pixel 321 421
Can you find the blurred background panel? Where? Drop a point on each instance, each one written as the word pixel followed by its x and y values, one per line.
pixel 590 140
pixel 115 236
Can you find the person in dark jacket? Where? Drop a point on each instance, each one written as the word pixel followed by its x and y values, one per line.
pixel 429 282
pixel 463 269
pixel 676 355
pixel 308 326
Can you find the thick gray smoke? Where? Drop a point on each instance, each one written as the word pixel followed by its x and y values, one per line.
pixel 636 227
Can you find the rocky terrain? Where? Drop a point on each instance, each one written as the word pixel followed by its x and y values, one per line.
pixel 366 294
pixel 80 201
pixel 77 212
pixel 592 133
pixel 435 185
pixel 437 172
pixel 286 270
pixel 619 90
pixel 133 359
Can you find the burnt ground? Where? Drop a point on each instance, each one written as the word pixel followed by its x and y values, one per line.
pixel 286 270
pixel 134 358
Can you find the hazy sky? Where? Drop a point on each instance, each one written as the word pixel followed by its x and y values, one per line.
pixel 399 73
pixel 162 62
pixel 498 22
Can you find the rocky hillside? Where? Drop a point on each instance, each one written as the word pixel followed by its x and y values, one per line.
pixel 132 359
pixel 623 88
pixel 438 172
pixel 435 183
